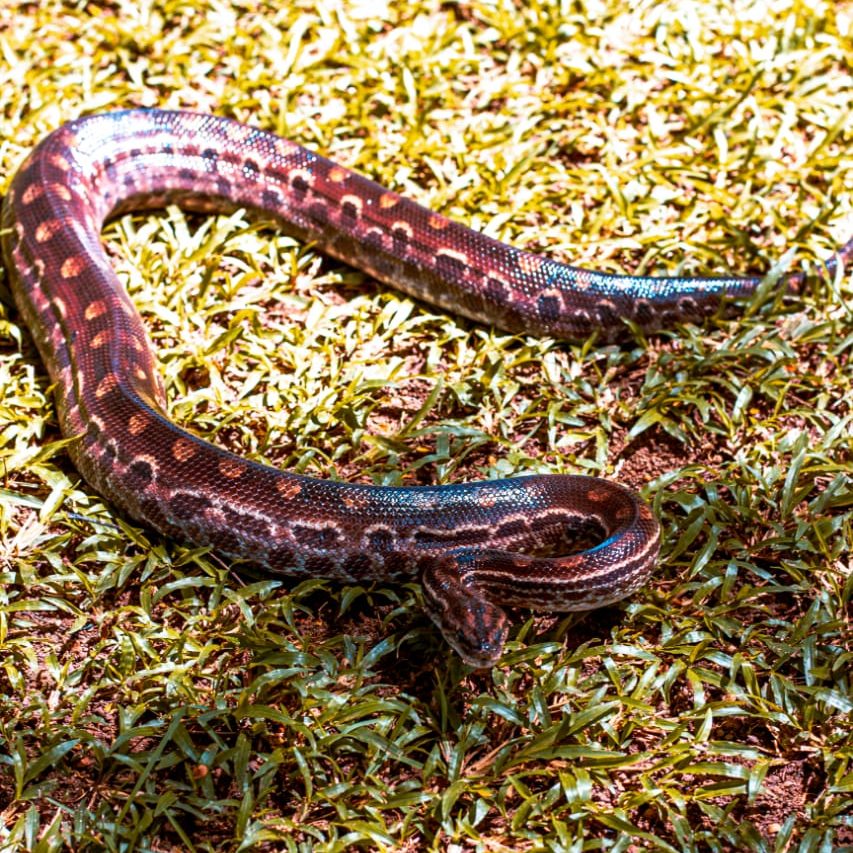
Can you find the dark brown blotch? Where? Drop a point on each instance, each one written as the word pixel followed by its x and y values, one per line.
pixel 249 525
pixel 513 527
pixel 63 358
pixel 300 185
pixel 401 239
pixel 139 475
pixel 449 265
pixel 93 433
pixel 496 289
pixel 359 567
pixel 318 538
pixel 102 369
pixel 319 213
pixel 381 541
pixel 548 307
pixel 186 505
pixel 109 454
pixel 373 239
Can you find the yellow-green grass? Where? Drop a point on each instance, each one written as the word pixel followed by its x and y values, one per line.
pixel 154 698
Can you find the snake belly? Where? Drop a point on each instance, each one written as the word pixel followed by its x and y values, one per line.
pixel 476 547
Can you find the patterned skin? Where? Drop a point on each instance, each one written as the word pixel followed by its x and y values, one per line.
pixel 474 546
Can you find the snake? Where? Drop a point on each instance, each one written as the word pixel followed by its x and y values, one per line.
pixel 475 547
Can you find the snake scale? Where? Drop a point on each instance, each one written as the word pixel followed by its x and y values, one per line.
pixel 475 547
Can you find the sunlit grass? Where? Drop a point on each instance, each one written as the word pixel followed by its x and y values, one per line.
pixel 153 698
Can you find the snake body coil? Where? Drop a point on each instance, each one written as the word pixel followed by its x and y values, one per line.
pixel 474 546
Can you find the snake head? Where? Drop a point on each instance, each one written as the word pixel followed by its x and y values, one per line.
pixel 475 627
pixel 480 642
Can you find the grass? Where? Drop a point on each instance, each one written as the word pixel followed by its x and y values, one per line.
pixel 154 698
